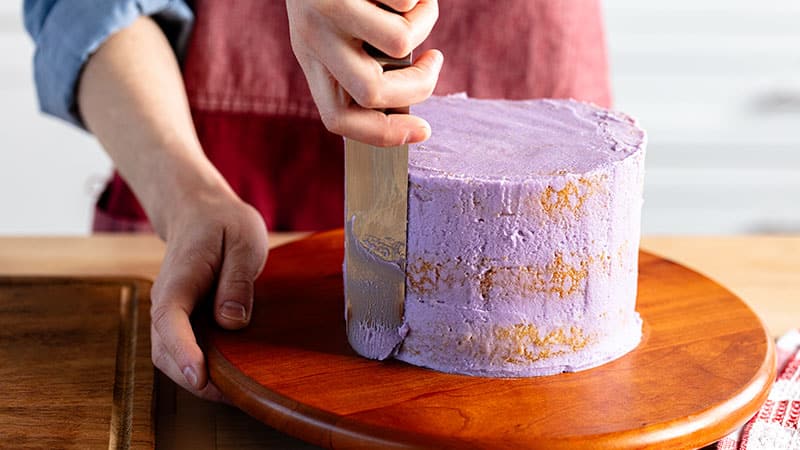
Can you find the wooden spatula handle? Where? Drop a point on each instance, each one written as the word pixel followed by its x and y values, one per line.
pixel 386 61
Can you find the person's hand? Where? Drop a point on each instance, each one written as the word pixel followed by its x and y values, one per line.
pixel 215 242
pixel 132 97
pixel 347 84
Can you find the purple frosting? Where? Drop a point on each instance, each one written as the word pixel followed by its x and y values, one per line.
pixel 523 233
pixel 515 140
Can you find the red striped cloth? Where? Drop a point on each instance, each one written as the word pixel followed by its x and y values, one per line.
pixel 776 424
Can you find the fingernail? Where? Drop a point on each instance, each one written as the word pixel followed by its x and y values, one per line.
pixel 190 375
pixel 233 311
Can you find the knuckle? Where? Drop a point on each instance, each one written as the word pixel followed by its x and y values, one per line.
pixel 400 44
pixel 158 314
pixel 254 215
pixel 240 278
pixel 202 256
pixel 303 36
pixel 368 96
pixel 333 123
pixel 256 243
pixel 386 137
pixel 297 37
pixel 159 357
pixel 159 317
pixel 234 234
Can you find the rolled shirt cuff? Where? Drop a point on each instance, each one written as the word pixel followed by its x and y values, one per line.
pixel 74 29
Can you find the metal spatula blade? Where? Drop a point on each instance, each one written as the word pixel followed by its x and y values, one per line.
pixel 376 214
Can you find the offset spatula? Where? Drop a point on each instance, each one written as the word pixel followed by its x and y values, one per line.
pixel 376 214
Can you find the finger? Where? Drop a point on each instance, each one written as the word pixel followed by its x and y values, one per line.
pixel 341 116
pixel 401 6
pixel 164 362
pixel 413 84
pixel 382 130
pixel 392 33
pixel 171 324
pixel 186 276
pixel 374 127
pixel 363 78
pixel 244 258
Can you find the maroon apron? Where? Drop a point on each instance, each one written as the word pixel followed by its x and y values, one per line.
pixel 258 124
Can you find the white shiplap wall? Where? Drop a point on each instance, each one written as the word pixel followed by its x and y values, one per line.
pixel 715 82
pixel 49 172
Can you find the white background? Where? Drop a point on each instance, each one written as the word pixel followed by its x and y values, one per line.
pixel 715 82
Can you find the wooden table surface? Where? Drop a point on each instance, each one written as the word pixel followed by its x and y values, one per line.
pixel 763 270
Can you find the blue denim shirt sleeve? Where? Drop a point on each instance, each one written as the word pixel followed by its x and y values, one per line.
pixel 67 32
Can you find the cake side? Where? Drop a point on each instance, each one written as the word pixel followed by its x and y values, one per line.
pixel 529 267
pixel 522 292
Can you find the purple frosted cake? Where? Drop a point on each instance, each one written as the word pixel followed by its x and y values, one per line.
pixel 523 233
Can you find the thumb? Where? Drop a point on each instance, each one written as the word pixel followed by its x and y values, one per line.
pixel 243 260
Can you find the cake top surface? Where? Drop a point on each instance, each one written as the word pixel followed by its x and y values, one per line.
pixel 520 139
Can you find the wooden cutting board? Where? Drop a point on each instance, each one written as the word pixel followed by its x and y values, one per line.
pixel 704 367
pixel 75 368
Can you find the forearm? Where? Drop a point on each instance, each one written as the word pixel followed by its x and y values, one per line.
pixel 131 96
